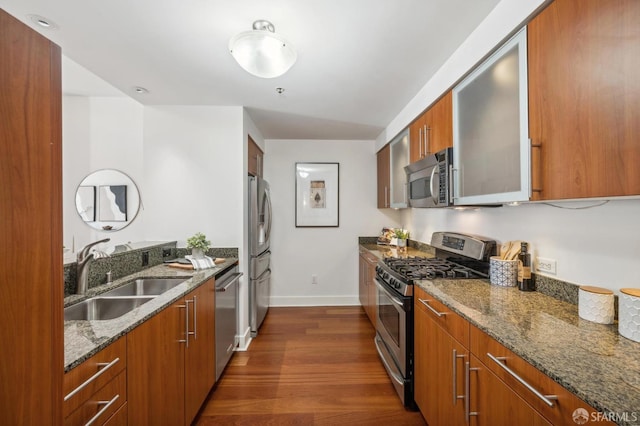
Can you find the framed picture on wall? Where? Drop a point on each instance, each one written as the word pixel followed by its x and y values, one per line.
pixel 317 194
pixel 113 203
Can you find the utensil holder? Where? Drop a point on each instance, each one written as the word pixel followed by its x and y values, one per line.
pixel 629 313
pixel 595 304
pixel 502 272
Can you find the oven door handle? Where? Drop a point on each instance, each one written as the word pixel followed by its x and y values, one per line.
pixel 392 373
pixel 395 301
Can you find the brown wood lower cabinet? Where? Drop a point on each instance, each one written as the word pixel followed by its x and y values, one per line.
pixel 366 286
pixel 460 377
pixel 97 388
pixel 161 353
pixel 493 403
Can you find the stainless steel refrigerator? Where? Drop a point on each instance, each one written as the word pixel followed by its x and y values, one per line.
pixel 259 253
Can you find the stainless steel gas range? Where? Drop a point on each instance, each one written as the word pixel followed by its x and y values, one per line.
pixel 458 256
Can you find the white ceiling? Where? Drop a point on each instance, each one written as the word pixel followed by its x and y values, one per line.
pixel 359 61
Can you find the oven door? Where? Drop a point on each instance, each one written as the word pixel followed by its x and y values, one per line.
pixel 391 326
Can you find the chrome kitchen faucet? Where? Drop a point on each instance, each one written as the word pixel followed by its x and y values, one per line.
pixel 84 259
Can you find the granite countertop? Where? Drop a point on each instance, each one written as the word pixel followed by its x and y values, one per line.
pixel 82 339
pixel 591 360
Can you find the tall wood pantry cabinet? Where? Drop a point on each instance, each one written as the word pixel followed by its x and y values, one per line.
pixel 32 359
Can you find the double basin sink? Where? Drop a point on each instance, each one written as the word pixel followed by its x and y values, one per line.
pixel 121 300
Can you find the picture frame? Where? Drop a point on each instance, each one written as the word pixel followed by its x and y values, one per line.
pixel 317 194
pixel 86 202
pixel 113 203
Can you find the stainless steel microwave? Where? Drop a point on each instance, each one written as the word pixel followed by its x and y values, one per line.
pixel 430 180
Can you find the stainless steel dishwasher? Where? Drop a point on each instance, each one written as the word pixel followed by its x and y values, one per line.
pixel 226 317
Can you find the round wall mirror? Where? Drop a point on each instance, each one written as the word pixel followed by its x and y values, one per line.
pixel 107 200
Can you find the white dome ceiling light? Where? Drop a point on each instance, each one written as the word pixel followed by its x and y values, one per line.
pixel 262 52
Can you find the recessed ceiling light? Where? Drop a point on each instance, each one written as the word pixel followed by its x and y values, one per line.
pixel 140 90
pixel 43 22
pixel 279 90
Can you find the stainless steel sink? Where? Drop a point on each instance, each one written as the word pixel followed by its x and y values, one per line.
pixel 145 287
pixel 103 308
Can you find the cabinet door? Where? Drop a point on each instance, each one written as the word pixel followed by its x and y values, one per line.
pixel 200 355
pixel 492 403
pixel 155 369
pixel 384 177
pixel 584 105
pixel 416 139
pixel 440 125
pixel 255 158
pixel 491 137
pixel 362 283
pixel 31 274
pixel 399 160
pixel 371 291
pixel 439 367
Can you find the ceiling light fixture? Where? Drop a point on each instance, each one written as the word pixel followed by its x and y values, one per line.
pixel 43 22
pixel 262 52
pixel 140 90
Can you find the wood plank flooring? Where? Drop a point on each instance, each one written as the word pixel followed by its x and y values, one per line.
pixel 308 366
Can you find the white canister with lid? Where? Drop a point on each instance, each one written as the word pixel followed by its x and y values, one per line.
pixel 629 313
pixel 596 304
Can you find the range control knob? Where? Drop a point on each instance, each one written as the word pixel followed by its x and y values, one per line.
pixel 385 275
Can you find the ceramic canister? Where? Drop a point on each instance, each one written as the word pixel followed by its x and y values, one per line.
pixel 503 272
pixel 596 304
pixel 629 313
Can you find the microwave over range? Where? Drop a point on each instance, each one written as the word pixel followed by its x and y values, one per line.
pixel 430 180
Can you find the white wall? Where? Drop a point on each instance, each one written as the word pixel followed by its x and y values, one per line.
pixel 597 246
pixel 329 253
pixel 99 133
pixel 193 174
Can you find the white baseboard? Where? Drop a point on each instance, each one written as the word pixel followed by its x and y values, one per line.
pixel 281 301
pixel 244 340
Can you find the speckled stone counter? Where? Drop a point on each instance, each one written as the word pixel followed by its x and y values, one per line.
pixel 591 360
pixel 82 339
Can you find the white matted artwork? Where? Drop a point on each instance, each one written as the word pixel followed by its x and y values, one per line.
pixel 317 194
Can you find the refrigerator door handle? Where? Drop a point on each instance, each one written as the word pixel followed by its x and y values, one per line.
pixel 268 219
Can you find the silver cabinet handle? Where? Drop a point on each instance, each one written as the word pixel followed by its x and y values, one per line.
pixel 424 139
pixel 420 141
pixel 92 378
pixel 455 357
pixel 186 323
pixel 451 183
pixel 539 147
pixel 427 140
pixel 426 303
pixel 106 404
pixel 502 362
pixel 386 198
pixel 195 318
pixel 467 390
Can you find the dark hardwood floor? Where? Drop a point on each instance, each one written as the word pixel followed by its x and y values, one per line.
pixel 308 366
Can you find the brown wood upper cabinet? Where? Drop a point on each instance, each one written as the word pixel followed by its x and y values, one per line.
pixel 584 99
pixel 433 130
pixel 256 157
pixel 384 177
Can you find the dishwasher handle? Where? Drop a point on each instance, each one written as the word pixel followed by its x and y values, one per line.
pixel 227 284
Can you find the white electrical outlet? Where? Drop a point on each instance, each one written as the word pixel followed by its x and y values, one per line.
pixel 314 279
pixel 547 266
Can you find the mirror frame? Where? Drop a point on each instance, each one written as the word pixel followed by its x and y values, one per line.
pixel 112 203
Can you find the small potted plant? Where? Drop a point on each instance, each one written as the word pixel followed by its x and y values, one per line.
pixel 198 245
pixel 402 235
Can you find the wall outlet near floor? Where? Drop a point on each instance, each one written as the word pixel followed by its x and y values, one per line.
pixel 314 279
pixel 547 266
